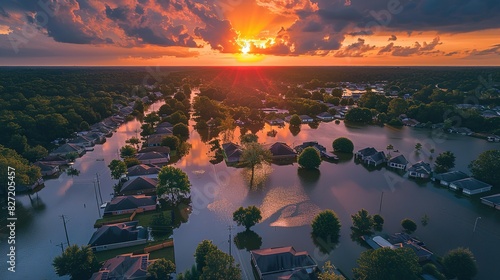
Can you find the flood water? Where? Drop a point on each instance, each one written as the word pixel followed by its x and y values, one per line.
pixel 288 201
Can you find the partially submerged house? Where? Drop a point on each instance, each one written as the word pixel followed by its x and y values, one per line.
pixel 125 266
pixel 143 170
pixel 276 121
pixel 320 148
pixel 325 116
pixel 446 178
pixel 421 170
pixel 231 152
pixel 282 263
pixel 66 149
pixel 129 204
pixel 139 185
pixel 153 158
pixel 470 186
pixel 119 235
pixel 398 162
pixel 492 200
pixel 282 152
pixel 47 169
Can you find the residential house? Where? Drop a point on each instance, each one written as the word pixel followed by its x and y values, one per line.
pixel 119 235
pixel 303 119
pixel 153 158
pixel 139 185
pixel 66 149
pixel 155 140
pixel 232 152
pixel 421 170
pixel 54 160
pixel 282 263
pixel 470 186
pixel 97 137
pixel 82 141
pixel 493 138
pixel 165 125
pixel 320 148
pixel 362 154
pixel 492 200
pixel 277 121
pixel 158 149
pixel 398 162
pixel 375 159
pixel 325 116
pixel 143 170
pixel 446 178
pixel 164 131
pixel 129 204
pixel 281 151
pixel 46 168
pixel 403 240
pixel 124 267
pixel 460 130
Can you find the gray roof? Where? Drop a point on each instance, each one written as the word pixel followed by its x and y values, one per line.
pixel 470 184
pixel 117 233
pixel 451 176
pixel 421 167
pixel 142 169
pixel 129 202
pixel 281 149
pixel 67 148
pixel 377 157
pixel 151 155
pixel 367 151
pixel 233 151
pixel 399 160
pixel 325 115
pixel 278 260
pixel 494 199
pixel 164 124
pixel 138 184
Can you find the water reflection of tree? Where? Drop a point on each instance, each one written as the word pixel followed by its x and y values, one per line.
pixel 216 155
pixel 37 203
pixel 344 157
pixel 72 171
pixel 180 210
pixel 294 130
pixel 314 125
pixel 357 236
pixel 325 245
pixel 308 177
pixel 261 174
pixel 248 240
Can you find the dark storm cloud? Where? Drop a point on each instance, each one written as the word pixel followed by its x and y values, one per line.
pixel 3 13
pixel 417 48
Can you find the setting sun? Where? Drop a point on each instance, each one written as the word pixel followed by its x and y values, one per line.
pixel 246 48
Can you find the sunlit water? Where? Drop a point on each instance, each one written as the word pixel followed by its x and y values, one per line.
pixel 289 199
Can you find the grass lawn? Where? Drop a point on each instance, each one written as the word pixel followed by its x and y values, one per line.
pixel 144 219
pixel 167 253
pixel 109 219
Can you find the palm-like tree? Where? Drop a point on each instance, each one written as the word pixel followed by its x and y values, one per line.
pixel 254 155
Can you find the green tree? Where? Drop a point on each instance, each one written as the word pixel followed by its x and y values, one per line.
pixel 409 225
pixel 431 269
pixel 328 273
pixel 133 141
pixel 418 147
pixel 254 155
pixel 486 167
pixel 220 265
pixel 161 269
pixel 171 141
pixel 387 264
pixel 84 126
pixel 444 162
pixel 181 130
pixel 247 217
pixel 77 262
pixel 161 226
pixel 118 168
pixel 201 253
pixel 173 184
pixel 248 138
pixel 362 221
pixel 397 106
pixel 378 222
pixel 295 120
pixel 359 115
pixel 129 162
pixel 35 153
pixel 309 158
pixel 152 119
pixel 460 263
pixel 326 225
pixel 128 151
pixel 343 145
pixel 189 274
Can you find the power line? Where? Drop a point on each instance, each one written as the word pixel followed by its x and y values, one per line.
pixel 99 186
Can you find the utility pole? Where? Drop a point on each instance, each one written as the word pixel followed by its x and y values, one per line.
pixel 65 229
pixel 97 201
pixel 99 186
pixel 475 224
pixel 230 238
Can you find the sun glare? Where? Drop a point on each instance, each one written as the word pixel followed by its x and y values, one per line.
pixel 246 48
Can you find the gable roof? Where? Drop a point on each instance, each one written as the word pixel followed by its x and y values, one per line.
pixel 232 150
pixel 275 260
pixel 139 183
pixel 159 149
pixel 164 130
pixel 126 266
pixel 151 155
pixel 367 151
pixel 399 160
pixel 421 167
pixel 451 176
pixel 67 148
pixel 281 149
pixel 117 233
pixel 128 202
pixel 165 125
pixel 377 157
pixel 142 169
pixel 325 115
pixel 45 166
pixel 304 117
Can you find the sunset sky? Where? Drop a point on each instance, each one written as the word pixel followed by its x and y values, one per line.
pixel 249 32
